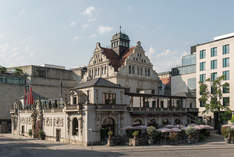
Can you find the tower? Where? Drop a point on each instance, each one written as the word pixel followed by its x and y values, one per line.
pixel 120 42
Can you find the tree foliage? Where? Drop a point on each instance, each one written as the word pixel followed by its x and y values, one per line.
pixel 213 98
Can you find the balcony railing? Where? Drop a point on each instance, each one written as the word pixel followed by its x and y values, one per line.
pixel 156 110
pixel 110 107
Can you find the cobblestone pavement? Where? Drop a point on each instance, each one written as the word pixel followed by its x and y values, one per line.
pixel 18 146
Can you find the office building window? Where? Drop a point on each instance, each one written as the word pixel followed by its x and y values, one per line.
pixel 226 62
pixel 202 54
pixel 213 76
pixel 226 101
pixel 213 90
pixel 213 64
pixel 202 78
pixel 225 49
pixel 213 52
pixel 226 88
pixel 226 75
pixel 202 66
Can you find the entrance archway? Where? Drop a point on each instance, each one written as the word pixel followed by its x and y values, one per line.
pixel 108 124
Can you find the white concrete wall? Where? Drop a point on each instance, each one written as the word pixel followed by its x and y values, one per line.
pixel 219 69
pixel 179 84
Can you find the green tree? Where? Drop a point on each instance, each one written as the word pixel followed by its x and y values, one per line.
pixel 212 99
pixel 3 69
pixel 19 71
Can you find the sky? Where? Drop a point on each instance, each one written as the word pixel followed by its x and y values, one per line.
pixel 65 32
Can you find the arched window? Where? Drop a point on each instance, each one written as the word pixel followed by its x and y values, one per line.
pixel 75 126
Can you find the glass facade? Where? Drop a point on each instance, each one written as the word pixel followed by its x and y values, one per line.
pixel 202 54
pixel 225 62
pixel 188 66
pixel 188 60
pixel 213 52
pixel 12 80
pixel 225 49
pixel 183 70
pixel 213 64
pixel 226 75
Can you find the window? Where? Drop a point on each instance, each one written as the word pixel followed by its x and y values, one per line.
pixel 109 98
pixel 138 71
pixel 74 100
pixel 146 74
pixel 202 66
pixel 213 90
pixel 226 75
pixel 226 88
pixel 75 126
pixel 225 62
pixel 225 49
pixel 213 52
pixel 202 104
pixel 202 77
pixel 226 101
pixel 133 69
pixel 149 72
pixel 213 64
pixel 202 54
pixel 129 69
pixel 213 76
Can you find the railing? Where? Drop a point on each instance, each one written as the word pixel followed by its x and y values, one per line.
pixel 73 107
pixel 144 109
pixel 110 107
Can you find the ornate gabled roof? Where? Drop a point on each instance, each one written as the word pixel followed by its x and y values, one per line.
pixel 127 53
pixel 115 60
pixel 113 57
pixel 98 82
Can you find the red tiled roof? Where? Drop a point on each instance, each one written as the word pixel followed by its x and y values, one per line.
pixel 127 53
pixel 165 81
pixel 115 60
pixel 113 57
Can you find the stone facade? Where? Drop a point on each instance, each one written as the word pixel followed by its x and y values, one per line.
pixel 119 88
pixel 49 82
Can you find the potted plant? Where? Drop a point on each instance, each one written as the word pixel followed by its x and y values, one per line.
pixel 225 131
pixel 151 132
pixel 191 133
pixel 173 137
pixel 41 134
pixel 30 132
pixel 134 141
pixel 232 120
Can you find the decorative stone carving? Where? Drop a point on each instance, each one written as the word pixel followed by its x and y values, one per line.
pixel 58 122
pixel 48 121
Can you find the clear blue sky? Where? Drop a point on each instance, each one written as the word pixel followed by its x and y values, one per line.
pixel 64 32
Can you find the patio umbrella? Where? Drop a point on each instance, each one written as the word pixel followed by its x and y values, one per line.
pixel 164 130
pixel 176 129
